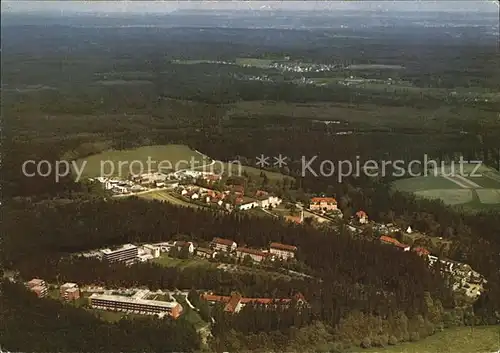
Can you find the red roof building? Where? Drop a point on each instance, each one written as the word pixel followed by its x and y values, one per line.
pixel 283 251
pixel 223 244
pixel 323 204
pixel 256 255
pixel 236 302
pixel 421 251
pixel 388 240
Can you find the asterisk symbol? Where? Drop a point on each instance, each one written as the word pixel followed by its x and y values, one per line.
pixel 262 161
pixel 280 161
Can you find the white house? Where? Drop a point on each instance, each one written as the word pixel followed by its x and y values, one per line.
pixel 180 244
pixel 270 201
pixel 152 250
pixel 224 244
pixel 195 196
pixel 248 205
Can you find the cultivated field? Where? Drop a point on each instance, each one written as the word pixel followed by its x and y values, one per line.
pixel 482 339
pixel 473 190
pixel 122 163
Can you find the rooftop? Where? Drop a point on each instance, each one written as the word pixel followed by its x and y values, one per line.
pixel 123 299
pixel 223 241
pixel 283 247
pixel 121 248
pixel 323 199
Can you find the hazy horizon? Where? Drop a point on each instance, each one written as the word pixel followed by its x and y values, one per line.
pixel 158 7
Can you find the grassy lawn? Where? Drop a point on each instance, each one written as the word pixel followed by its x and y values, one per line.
pixel 424 183
pixel 168 261
pixel 113 316
pixel 166 196
pixel 454 340
pixel 121 163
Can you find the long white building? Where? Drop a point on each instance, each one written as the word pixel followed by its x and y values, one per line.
pixel 124 253
pixel 135 304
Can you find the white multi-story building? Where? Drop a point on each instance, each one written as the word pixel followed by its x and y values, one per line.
pixel 135 304
pixel 126 252
pixel 224 244
pixel 283 251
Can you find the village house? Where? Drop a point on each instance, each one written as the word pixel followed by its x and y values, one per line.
pixel 388 240
pixel 283 251
pixel 362 217
pixel 235 302
pixel 223 244
pixel 267 201
pixel 182 244
pixel 256 255
pixel 206 253
pixel 323 204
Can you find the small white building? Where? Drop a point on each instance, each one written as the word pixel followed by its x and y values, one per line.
pixel 248 205
pixel 152 250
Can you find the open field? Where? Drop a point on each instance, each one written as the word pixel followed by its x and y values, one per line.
pixel 471 189
pixel 260 63
pixel 121 163
pixel 164 195
pixel 483 339
pixel 168 261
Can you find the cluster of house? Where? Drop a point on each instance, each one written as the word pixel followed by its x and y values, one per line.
pixel 463 275
pixel 275 251
pixel 234 303
pixel 146 181
pixel 119 186
pixel 232 198
pixel 68 291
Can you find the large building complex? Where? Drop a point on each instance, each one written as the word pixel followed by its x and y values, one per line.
pixel 323 204
pixel 125 253
pixel 283 251
pixel 235 302
pixel 38 286
pixel 223 244
pixel 135 304
pixel 69 291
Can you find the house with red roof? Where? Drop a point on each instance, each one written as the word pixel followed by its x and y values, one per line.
pixel 323 204
pixel 388 240
pixel 362 217
pixel 421 251
pixel 283 251
pixel 256 255
pixel 222 244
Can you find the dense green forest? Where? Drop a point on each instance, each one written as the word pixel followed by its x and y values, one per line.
pixel 362 293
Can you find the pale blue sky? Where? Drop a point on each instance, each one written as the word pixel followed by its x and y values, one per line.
pixel 168 6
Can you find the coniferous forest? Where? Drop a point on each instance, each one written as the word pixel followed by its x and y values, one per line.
pixel 360 293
